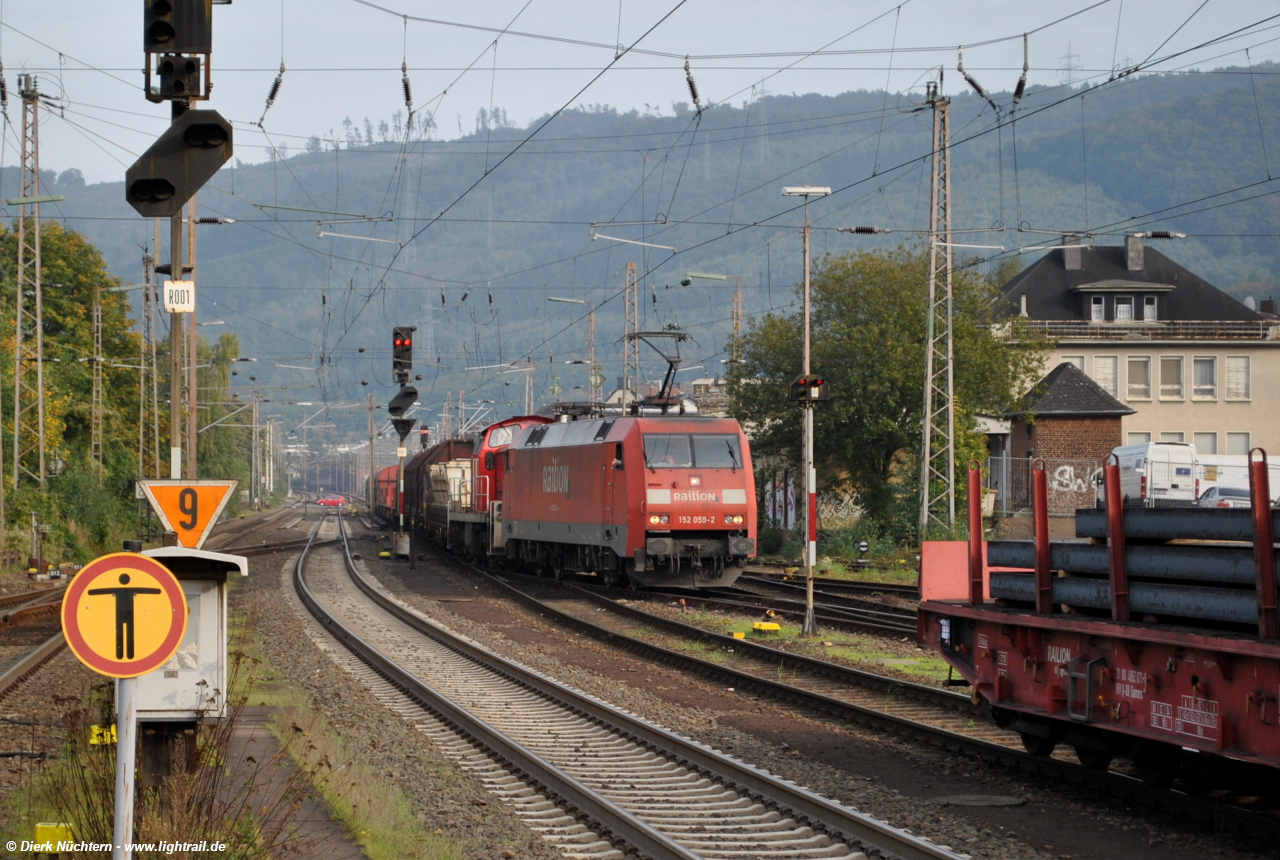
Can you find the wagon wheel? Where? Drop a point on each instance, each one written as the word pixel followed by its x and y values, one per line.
pixel 1093 759
pixel 1038 746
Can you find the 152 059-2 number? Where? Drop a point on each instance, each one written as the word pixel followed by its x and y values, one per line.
pixel 695 520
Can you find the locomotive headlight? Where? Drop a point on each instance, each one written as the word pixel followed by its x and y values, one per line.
pixel 728 520
pixel 654 520
pixel 665 519
pixel 737 520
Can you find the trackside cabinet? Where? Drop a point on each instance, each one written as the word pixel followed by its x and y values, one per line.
pixel 193 684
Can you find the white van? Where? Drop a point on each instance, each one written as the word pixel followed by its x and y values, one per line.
pixel 1157 473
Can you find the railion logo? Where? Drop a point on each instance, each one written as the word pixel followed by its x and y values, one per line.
pixel 555 478
pixel 695 496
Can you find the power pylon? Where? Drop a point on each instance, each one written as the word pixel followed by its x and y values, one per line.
pixel 149 463
pixel 28 389
pixel 630 344
pixel 95 423
pixel 938 451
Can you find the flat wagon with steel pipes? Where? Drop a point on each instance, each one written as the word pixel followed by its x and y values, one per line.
pixel 1157 632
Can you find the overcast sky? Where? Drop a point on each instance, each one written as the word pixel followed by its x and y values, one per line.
pixel 343 57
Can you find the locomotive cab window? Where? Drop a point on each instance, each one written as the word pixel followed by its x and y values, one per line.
pixel 664 451
pixel 715 451
pixel 488 459
pixel 500 436
pixel 682 451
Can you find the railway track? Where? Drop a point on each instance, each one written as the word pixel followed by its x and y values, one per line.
pixel 915 712
pixel 906 591
pixel 844 615
pixel 641 788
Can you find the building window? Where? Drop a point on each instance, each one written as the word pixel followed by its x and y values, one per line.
pixel 1077 360
pixel 1124 308
pixel 1237 443
pixel 1204 384
pixel 1238 378
pixel 1149 311
pixel 1139 438
pixel 1171 377
pixel 1171 436
pixel 1206 443
pixel 1105 373
pixel 1139 378
pixel 1097 309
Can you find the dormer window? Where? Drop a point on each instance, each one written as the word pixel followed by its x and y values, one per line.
pixel 1124 308
pixel 1097 309
pixel 1149 311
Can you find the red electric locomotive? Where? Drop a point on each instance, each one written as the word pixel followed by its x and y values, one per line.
pixel 660 500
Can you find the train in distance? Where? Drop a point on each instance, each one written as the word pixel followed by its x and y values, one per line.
pixel 641 499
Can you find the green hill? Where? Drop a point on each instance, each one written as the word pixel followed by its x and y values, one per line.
pixel 307 305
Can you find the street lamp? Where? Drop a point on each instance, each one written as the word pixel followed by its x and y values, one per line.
pixel 810 627
pixel 595 379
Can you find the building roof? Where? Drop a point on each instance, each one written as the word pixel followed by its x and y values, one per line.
pixel 1066 392
pixel 1053 292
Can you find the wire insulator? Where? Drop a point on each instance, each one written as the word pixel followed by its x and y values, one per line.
pixel 693 87
pixel 208 220
pixel 1019 89
pixel 4 93
pixel 408 89
pixel 271 96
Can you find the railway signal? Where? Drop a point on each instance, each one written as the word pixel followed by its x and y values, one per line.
pixel 181 160
pixel 808 388
pixel 189 509
pixel 177 26
pixel 405 397
pixel 402 352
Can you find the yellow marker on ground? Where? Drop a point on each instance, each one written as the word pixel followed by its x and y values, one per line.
pixel 738 634
pixel 766 627
pixel 102 735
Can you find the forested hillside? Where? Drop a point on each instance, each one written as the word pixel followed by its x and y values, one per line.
pixel 479 232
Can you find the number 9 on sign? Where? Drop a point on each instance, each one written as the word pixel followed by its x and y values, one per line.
pixel 179 297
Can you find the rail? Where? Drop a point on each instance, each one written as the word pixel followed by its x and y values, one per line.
pixel 823 814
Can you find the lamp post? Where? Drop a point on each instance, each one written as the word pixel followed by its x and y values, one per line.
pixel 810 627
pixel 595 380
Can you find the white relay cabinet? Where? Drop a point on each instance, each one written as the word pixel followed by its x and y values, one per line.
pixel 193 684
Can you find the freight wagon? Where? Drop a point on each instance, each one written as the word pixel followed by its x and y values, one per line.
pixel 1156 632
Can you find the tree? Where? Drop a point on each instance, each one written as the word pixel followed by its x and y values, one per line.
pixel 868 329
pixel 87 514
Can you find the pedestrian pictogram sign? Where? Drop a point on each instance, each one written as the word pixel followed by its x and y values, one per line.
pixel 124 615
pixel 188 508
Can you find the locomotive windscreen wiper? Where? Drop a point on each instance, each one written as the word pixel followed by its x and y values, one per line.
pixel 733 457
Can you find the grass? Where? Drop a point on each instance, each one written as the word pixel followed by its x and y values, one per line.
pixel 868 651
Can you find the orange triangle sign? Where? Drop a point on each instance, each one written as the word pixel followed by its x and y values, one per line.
pixel 188 508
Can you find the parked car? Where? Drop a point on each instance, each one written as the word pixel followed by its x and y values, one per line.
pixel 333 501
pixel 1224 497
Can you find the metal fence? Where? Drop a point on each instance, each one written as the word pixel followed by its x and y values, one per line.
pixel 1009 478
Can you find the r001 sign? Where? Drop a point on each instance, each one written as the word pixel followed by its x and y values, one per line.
pixel 179 297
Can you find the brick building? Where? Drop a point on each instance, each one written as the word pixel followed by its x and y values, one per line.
pixel 1066 416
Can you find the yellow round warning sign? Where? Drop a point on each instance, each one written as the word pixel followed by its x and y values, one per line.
pixel 124 615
